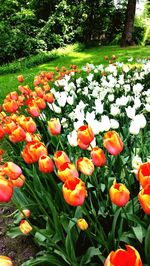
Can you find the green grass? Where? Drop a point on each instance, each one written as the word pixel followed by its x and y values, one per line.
pixel 68 56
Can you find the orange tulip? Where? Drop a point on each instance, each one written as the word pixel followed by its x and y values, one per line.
pixel 60 157
pixel 40 103
pixel 12 170
pixel 25 227
pixel 67 170
pixel 82 145
pixel 27 123
pixel 33 150
pixel 46 164
pixel 85 134
pixel 119 194
pixel 112 142
pixel 85 166
pixel 34 110
pixel 144 199
pixel 98 156
pixel 19 182
pixel 9 126
pixel 122 257
pixel 5 261
pixel 10 106
pixel 49 97
pixel 144 174
pixel 20 78
pixel 6 190
pixel 74 191
pixel 82 224
pixel 2 132
pixel 54 126
pixel 17 135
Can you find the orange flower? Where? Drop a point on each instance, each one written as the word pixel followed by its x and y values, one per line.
pixel 26 213
pixel 40 103
pixel 122 257
pixel 119 194
pixel 6 190
pixel 144 199
pixel 2 132
pixel 82 145
pixel 20 78
pixel 27 123
pixel 144 174
pixel 82 224
pixel 98 156
pixel 33 150
pixel 46 164
pixel 85 134
pixel 67 170
pixel 112 142
pixel 12 170
pixel 17 135
pixel 19 182
pixel 10 106
pixel 85 166
pixel 74 191
pixel 54 126
pixel 5 261
pixel 34 110
pixel 60 157
pixel 49 97
pixel 9 126
pixel 25 227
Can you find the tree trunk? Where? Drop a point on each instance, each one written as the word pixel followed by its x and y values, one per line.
pixel 127 38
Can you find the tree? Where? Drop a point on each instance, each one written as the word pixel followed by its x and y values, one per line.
pixel 127 36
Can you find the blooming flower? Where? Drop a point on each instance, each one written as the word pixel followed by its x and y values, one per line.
pixel 144 199
pixel 119 194
pixel 112 142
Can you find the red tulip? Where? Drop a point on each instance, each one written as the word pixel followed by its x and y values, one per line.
pixel 144 174
pixel 74 191
pixel 46 164
pixel 119 194
pixel 85 134
pixel 112 142
pixel 121 257
pixel 98 156
pixel 6 190
pixel 144 199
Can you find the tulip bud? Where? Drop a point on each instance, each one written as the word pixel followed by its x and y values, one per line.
pixel 25 227
pixel 46 164
pixel 85 166
pixel 20 78
pixel 54 126
pixel 60 157
pixel 26 213
pixel 5 261
pixel 119 194
pixel 98 156
pixel 112 142
pixel 82 224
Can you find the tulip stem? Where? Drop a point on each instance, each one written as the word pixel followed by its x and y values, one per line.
pixel 126 216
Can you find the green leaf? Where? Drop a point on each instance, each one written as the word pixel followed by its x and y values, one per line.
pixel 69 244
pixel 90 253
pixel 147 246
pixel 139 232
pixel 45 260
pixel 14 232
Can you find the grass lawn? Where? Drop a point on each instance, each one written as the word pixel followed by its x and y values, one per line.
pixel 95 55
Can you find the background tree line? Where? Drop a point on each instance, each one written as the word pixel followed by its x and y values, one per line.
pixel 32 26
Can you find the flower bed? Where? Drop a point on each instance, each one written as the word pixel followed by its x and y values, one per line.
pixel 80 176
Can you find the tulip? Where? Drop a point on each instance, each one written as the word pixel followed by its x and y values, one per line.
pixel 10 106
pixel 20 78
pixel 60 157
pixel 144 199
pixel 122 257
pixel 46 164
pixel 33 150
pixel 34 110
pixel 6 190
pixel 17 135
pixel 144 174
pixel 67 170
pixel 82 224
pixel 25 227
pixel 98 156
pixel 2 132
pixel 5 261
pixel 85 134
pixel 40 103
pixel 19 182
pixel 82 145
pixel 119 194
pixel 85 166
pixel 12 170
pixel 112 142
pixel 26 213
pixel 49 97
pixel 74 191
pixel 54 126
pixel 27 123
pixel 9 126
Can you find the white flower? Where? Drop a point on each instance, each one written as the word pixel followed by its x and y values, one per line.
pixel 122 101
pixel 114 123
pixel 134 128
pixel 64 122
pixel 130 111
pixel 78 124
pixel 72 138
pixel 136 162
pixel 111 97
pixel 105 123
pixel 90 117
pixel 96 126
pixel 62 99
pixel 98 106
pixel 90 77
pixel 137 88
pixel 140 120
pixel 147 107
pixel 125 68
pixel 114 110
pixel 70 100
pixel 55 108
pixel 137 103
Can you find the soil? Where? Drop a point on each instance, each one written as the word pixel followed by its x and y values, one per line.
pixel 19 249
